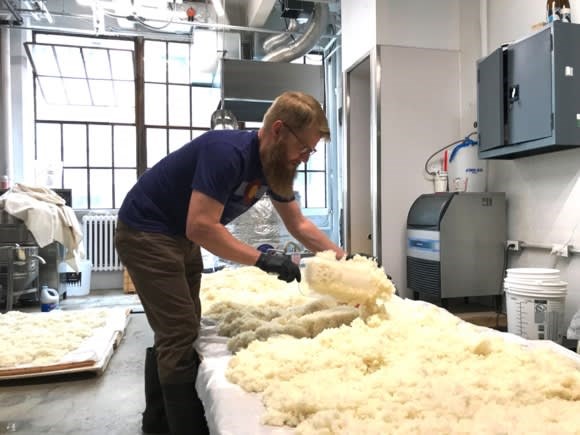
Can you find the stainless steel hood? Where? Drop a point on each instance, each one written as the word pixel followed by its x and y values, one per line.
pixel 249 87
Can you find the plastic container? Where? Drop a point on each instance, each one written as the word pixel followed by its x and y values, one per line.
pixel 535 306
pixel 48 299
pixel 48 173
pixel 440 182
pixel 75 283
pixel 467 173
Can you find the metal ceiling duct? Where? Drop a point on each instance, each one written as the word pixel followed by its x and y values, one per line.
pixel 316 27
pixel 249 87
pixel 281 39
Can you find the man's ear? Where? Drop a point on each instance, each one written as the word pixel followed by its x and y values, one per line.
pixel 276 128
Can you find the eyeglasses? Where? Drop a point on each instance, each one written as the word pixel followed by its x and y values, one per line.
pixel 306 150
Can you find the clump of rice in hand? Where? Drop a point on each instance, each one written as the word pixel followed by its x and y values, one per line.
pixel 359 281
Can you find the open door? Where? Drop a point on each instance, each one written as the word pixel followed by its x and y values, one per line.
pixel 357 216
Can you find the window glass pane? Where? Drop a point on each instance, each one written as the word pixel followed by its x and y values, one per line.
pixel 101 183
pixel 53 38
pixel 125 95
pixel 316 185
pixel 48 142
pixel 204 101
pixel 125 146
pixel 156 145
pixel 124 180
pixel 178 105
pixel 155 61
pixel 299 187
pixel 100 149
pixel 74 138
pixel 155 104
pixel 102 92
pixel 70 62
pixel 317 161
pixel 313 59
pixel 178 62
pixel 44 60
pixel 52 90
pixel 177 138
pixel 122 65
pixel 97 63
pixel 77 92
pixel 76 180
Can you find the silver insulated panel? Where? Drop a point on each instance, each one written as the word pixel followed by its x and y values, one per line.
pixel 249 87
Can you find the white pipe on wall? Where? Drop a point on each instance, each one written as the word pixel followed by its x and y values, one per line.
pixel 483 23
pixel 5 105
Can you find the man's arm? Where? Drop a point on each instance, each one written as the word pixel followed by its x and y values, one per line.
pixel 303 229
pixel 204 228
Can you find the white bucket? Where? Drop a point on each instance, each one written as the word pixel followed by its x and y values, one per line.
pixel 535 307
pixel 75 283
pixel 467 173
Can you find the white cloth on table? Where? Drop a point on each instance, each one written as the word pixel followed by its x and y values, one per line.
pixel 229 409
pixel 48 219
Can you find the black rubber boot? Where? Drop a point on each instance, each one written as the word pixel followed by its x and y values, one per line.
pixel 154 419
pixel 185 413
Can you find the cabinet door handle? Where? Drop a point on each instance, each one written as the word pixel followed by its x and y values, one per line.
pixel 514 94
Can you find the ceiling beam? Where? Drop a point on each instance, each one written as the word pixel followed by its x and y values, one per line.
pixel 259 11
pixel 17 17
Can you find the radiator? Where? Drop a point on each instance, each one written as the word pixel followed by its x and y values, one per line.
pixel 99 237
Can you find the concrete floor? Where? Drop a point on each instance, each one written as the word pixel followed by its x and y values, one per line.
pixel 85 403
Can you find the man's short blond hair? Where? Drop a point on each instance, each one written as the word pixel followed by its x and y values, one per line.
pixel 299 111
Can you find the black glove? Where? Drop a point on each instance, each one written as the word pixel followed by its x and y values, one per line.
pixel 370 257
pixel 281 265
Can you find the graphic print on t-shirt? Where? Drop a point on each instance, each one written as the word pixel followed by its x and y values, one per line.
pixel 250 191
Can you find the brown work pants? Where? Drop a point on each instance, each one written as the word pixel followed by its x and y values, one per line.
pixel 166 272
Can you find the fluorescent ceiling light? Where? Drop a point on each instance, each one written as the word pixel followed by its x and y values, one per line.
pixel 219 9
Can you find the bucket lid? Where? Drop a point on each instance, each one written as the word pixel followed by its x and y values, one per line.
pixel 532 271
pixel 544 289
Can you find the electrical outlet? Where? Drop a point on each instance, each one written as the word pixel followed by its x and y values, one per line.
pixel 513 245
pixel 561 250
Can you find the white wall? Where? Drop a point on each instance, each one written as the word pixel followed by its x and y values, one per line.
pixel 419 48
pixel 418 23
pixel 420 88
pixel 419 114
pixel 358 30
pixel 543 192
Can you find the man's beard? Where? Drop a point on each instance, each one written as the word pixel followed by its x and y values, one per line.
pixel 279 174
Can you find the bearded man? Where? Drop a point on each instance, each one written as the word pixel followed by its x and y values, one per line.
pixel 183 203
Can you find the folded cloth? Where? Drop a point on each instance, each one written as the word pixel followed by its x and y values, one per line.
pixel 48 219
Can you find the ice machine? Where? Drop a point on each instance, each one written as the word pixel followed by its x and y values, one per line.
pixel 456 244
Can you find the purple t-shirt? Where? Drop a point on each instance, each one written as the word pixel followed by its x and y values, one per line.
pixel 223 164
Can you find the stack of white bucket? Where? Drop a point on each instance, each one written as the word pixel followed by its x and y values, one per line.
pixel 535 303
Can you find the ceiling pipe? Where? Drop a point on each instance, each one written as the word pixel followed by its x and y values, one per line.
pixel 316 27
pixel 283 38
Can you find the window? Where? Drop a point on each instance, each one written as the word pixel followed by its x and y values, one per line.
pixel 175 111
pixel 87 122
pixel 85 115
